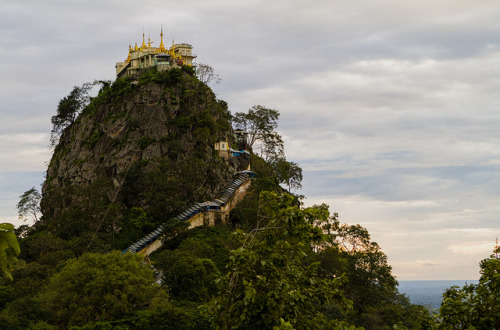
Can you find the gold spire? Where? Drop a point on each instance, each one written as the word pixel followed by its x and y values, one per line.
pixel 129 50
pixel 135 47
pixel 162 46
pixel 143 46
pixel 172 50
pixel 149 41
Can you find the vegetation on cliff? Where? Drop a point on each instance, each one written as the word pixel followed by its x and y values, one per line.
pixel 135 156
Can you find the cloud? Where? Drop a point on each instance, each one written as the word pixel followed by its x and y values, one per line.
pixel 432 230
pixel 472 247
pixel 24 151
pixel 390 107
pixel 13 184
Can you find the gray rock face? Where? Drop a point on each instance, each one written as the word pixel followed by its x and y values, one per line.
pixel 163 129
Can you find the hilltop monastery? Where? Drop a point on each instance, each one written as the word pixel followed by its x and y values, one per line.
pixel 160 57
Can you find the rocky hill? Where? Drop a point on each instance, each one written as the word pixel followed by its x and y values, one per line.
pixel 140 152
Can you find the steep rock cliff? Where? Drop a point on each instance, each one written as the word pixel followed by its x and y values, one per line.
pixel 138 154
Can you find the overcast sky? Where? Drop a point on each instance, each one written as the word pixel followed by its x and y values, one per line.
pixel 390 107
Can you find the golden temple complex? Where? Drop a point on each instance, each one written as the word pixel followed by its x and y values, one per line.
pixel 147 56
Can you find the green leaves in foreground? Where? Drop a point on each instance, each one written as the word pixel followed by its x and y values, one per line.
pixel 271 279
pixel 9 248
pixel 99 287
pixel 475 306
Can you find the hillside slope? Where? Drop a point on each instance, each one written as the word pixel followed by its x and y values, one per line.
pixel 142 153
pixel 136 156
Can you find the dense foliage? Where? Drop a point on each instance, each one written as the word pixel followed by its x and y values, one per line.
pixel 288 173
pixel 9 248
pixel 275 264
pixel 475 306
pixel 273 276
pixel 120 205
pixel 98 287
pixel 291 270
pixel 68 110
pixel 260 123
pixel 29 205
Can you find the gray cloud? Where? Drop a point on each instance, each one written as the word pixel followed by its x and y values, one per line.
pixel 390 107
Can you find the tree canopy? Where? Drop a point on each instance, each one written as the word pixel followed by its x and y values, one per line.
pixel 288 173
pixel 99 287
pixel 260 123
pixel 475 306
pixel 9 248
pixel 272 278
pixel 274 264
pixel 206 74
pixel 68 110
pixel 29 205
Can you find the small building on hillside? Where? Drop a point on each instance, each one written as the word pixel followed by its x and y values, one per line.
pixel 147 56
pixel 226 152
pixel 223 148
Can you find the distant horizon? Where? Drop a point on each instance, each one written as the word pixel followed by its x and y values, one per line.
pixel 429 292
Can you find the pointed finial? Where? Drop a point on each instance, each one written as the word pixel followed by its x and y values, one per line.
pixel 143 46
pixel 129 50
pixel 135 47
pixel 172 50
pixel 162 46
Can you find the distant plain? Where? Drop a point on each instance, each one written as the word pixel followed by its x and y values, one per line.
pixel 429 293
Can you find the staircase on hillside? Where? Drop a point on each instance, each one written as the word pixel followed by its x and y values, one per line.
pixel 152 241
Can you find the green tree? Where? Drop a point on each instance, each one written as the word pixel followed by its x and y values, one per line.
pixel 68 110
pixel 288 173
pixel 475 306
pixel 271 146
pixel 23 313
pixel 193 279
pixel 370 281
pixel 271 278
pixel 206 74
pixel 188 271
pixel 369 284
pixel 99 287
pixel 457 304
pixel 260 124
pixel 9 248
pixel 29 205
